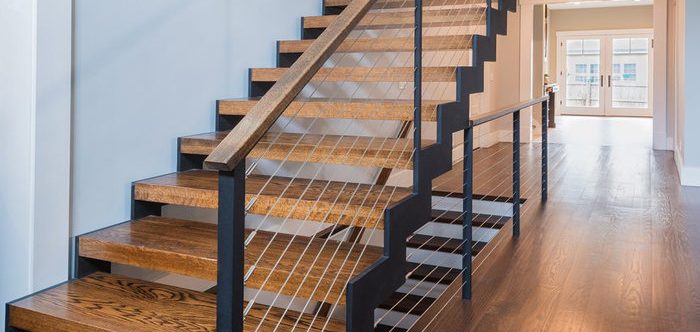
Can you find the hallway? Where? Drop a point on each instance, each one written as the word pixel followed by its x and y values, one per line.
pixel 602 131
pixel 617 247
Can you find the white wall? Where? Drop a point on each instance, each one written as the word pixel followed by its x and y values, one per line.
pixel 16 141
pixel 35 143
pixel 144 74
pixel 632 17
pixel 148 72
pixel 688 116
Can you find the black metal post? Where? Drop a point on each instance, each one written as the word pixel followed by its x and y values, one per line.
pixel 417 90
pixel 545 156
pixel 488 17
pixel 231 258
pixel 552 108
pixel 516 173
pixel 468 209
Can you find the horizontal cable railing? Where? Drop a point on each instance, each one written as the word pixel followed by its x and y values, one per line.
pixel 322 242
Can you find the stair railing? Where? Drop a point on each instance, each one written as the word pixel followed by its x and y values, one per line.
pixel 229 159
pixel 366 291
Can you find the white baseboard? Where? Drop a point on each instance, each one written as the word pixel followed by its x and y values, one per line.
pixel 661 142
pixel 689 176
pixel 492 137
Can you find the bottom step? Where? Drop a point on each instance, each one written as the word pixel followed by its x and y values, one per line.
pixel 105 302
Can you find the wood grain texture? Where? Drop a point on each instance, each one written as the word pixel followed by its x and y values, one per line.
pixel 612 250
pixel 357 109
pixel 493 169
pixel 361 74
pixel 392 4
pixel 387 44
pixel 253 126
pixel 327 149
pixel 307 267
pixel 103 302
pixel 405 19
pixel 332 202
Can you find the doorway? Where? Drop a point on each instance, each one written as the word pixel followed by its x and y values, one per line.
pixel 606 73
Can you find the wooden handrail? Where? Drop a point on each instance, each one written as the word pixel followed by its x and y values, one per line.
pixel 238 143
pixel 490 116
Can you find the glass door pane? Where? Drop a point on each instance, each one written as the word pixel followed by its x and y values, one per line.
pixel 629 80
pixel 583 80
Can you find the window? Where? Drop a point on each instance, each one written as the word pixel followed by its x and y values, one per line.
pixel 581 73
pixel 617 72
pixel 630 73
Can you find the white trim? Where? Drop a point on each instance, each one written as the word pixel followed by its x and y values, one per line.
pixel 689 176
pixel 662 139
pixel 606 56
pixel 51 173
pixel 527 19
pixel 608 32
pixel 32 153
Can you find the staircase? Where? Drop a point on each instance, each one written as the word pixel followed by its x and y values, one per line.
pixel 350 266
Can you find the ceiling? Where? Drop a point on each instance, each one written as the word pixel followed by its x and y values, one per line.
pixel 600 4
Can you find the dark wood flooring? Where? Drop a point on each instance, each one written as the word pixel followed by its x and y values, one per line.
pixel 616 248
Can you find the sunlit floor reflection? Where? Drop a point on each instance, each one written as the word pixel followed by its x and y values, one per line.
pixel 603 131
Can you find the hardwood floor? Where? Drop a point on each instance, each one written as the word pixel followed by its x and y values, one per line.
pixel 616 248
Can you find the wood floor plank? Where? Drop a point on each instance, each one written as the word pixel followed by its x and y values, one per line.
pixel 405 19
pixel 307 267
pixel 357 109
pixel 353 204
pixel 611 250
pixel 361 74
pixel 328 149
pixel 103 302
pixel 385 44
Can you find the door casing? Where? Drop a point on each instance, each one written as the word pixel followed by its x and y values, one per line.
pixel 606 37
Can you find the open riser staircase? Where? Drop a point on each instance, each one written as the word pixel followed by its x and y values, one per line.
pixel 335 238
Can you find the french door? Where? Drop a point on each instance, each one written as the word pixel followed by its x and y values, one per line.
pixel 605 73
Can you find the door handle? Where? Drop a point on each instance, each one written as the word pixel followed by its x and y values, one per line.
pixel 609 81
pixel 601 81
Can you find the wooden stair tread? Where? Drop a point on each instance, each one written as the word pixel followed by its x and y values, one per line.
pixel 362 74
pixel 104 302
pixel 407 303
pixel 358 109
pixel 316 268
pixel 396 44
pixel 333 202
pixel 392 4
pixel 441 244
pixel 405 19
pixel 478 220
pixel 430 273
pixel 333 149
